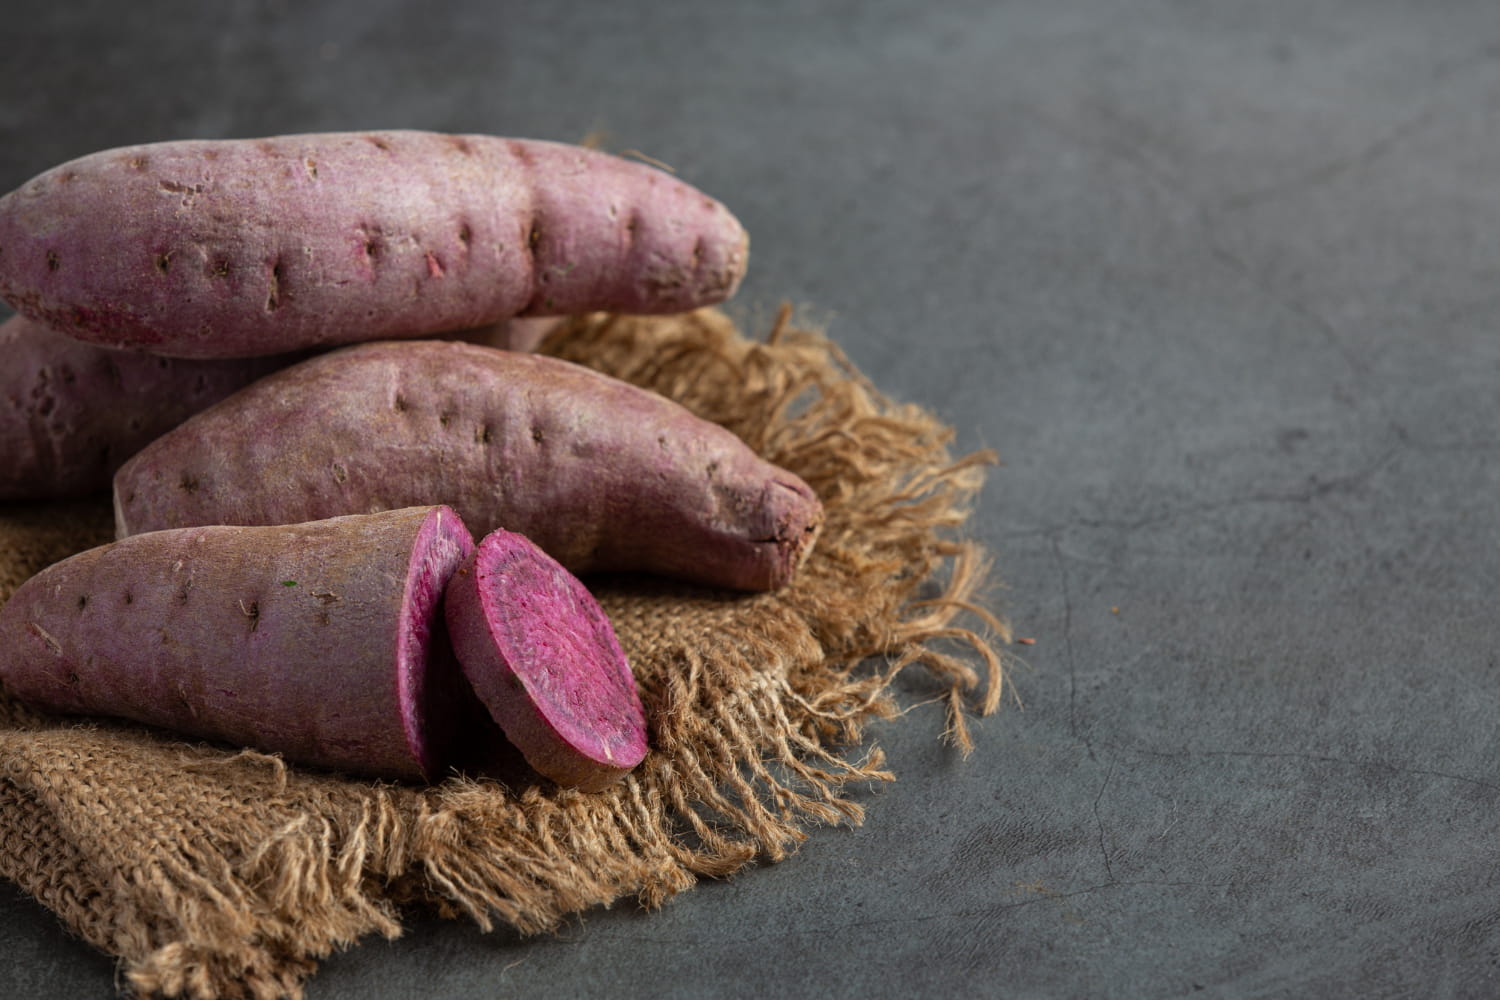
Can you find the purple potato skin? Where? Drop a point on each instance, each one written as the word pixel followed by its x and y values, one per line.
pixel 602 475
pixel 246 247
pixel 323 641
pixel 541 655
pixel 71 413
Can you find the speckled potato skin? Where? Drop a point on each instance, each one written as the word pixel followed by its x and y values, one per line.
pixel 602 475
pixel 237 248
pixel 71 412
pixel 323 642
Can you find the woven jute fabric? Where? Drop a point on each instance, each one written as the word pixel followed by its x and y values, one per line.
pixel 216 871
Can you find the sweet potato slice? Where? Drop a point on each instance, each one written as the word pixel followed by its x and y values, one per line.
pixel 543 658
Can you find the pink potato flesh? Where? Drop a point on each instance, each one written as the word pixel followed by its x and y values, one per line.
pixel 237 248
pixel 542 656
pixel 602 475
pixel 71 412
pixel 321 641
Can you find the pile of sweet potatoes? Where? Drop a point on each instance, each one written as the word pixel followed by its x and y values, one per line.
pixel 295 569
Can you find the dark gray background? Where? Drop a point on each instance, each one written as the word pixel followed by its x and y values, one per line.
pixel 1219 281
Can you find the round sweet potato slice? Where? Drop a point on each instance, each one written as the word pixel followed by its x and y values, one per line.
pixel 543 657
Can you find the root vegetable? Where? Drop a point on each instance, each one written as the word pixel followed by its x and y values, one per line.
pixel 542 656
pixel 321 641
pixel 602 475
pixel 71 413
pixel 234 248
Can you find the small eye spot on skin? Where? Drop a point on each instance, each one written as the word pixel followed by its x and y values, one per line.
pixel 273 293
pixel 521 152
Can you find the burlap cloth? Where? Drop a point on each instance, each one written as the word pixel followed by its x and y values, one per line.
pixel 210 872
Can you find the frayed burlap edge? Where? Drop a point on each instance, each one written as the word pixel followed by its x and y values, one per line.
pixel 209 872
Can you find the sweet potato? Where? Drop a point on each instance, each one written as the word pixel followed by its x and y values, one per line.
pixel 543 658
pixel 235 248
pixel 71 412
pixel 604 476
pixel 321 641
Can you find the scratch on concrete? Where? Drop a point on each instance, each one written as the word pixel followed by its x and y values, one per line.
pixel 1109 868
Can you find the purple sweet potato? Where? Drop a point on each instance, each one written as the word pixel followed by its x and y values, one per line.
pixel 236 248
pixel 321 641
pixel 71 412
pixel 543 658
pixel 603 475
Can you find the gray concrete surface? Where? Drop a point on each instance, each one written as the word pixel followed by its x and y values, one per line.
pixel 1218 280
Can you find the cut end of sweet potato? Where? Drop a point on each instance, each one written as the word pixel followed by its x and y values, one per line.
pixel 427 683
pixel 543 657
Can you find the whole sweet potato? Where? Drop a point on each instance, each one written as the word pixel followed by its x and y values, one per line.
pixel 543 658
pixel 236 248
pixel 71 412
pixel 599 473
pixel 321 641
